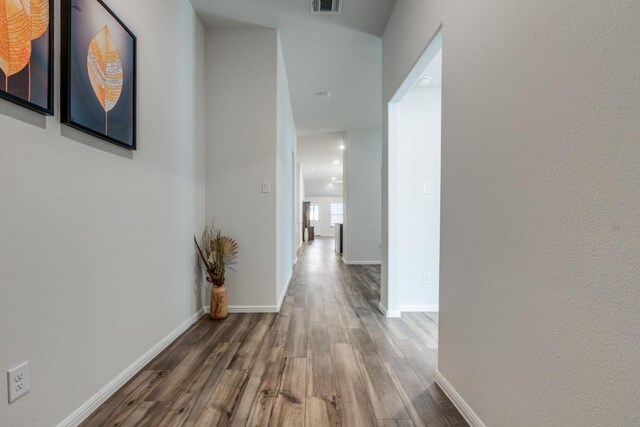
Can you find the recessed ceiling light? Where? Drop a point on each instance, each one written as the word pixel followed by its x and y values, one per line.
pixel 325 95
pixel 424 81
pixel 342 147
pixel 336 162
pixel 313 170
pixel 330 185
pixel 333 178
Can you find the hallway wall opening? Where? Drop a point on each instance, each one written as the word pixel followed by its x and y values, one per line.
pixel 414 187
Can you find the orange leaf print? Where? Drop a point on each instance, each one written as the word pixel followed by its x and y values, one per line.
pixel 15 38
pixel 38 13
pixel 105 69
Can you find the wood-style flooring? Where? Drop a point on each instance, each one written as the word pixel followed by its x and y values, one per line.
pixel 329 358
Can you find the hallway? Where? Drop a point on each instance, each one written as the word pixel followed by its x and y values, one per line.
pixel 328 358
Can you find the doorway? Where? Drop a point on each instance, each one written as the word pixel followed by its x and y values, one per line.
pixel 415 123
pixel 322 170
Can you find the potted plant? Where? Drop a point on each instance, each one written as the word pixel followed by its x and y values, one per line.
pixel 216 252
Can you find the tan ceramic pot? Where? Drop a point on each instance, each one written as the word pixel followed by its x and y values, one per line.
pixel 219 303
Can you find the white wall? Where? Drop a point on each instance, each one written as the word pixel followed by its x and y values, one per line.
pixel 98 263
pixel 539 274
pixel 362 195
pixel 241 149
pixel 250 138
pixel 323 227
pixel 418 160
pixel 286 146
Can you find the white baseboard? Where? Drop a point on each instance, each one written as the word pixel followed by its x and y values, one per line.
pixel 114 385
pixel 387 313
pixel 253 309
pixel 284 292
pixel 257 308
pixel 360 262
pixel 472 418
pixel 419 308
pixel 249 309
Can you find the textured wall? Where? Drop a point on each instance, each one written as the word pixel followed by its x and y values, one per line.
pixel 97 261
pixel 242 133
pixel 540 216
pixel 362 195
pixel 286 244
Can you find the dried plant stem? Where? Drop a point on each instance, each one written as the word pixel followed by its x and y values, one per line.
pixel 200 251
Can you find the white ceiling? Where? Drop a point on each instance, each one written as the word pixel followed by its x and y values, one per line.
pixel 336 53
pixel 317 155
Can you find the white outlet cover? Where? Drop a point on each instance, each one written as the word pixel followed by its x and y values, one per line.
pixel 266 186
pixel 18 382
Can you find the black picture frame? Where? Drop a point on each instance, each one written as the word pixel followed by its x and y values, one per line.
pixel 48 109
pixel 67 67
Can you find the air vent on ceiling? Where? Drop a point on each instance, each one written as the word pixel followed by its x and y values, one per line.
pixel 326 6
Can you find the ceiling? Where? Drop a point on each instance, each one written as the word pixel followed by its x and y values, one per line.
pixel 340 54
pixel 317 155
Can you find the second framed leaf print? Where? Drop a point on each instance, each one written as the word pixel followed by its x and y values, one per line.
pixel 98 72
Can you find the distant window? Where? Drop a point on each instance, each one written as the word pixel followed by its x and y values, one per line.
pixel 336 213
pixel 314 213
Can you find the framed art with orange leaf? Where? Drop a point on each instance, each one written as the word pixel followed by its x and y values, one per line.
pixel 98 93
pixel 26 53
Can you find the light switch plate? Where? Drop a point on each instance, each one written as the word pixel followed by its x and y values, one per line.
pixel 18 382
pixel 428 188
pixel 266 186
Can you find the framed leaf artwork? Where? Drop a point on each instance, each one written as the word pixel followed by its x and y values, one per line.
pixel 98 93
pixel 26 53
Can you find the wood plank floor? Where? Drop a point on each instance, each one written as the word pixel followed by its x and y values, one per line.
pixel 329 358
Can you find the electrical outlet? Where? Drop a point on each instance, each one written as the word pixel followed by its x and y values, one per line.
pixel 426 279
pixel 18 381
